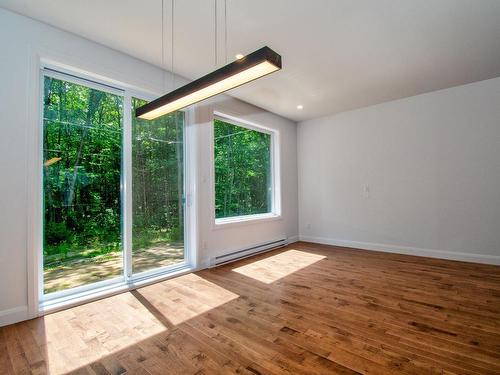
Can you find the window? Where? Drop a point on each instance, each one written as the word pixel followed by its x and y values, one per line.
pixel 113 188
pixel 243 173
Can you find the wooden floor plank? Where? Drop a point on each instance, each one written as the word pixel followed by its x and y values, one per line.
pixel 303 309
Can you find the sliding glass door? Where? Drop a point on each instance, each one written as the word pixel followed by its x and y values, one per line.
pixel 82 147
pixel 85 167
pixel 158 191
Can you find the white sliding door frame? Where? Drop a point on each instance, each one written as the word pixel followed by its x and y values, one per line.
pixel 40 303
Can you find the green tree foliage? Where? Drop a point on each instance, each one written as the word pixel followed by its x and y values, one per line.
pixel 242 170
pixel 82 136
pixel 82 147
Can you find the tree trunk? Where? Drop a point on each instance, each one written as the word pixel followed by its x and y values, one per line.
pixel 95 98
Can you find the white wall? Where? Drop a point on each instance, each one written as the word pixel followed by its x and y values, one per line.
pixel 23 41
pixel 419 175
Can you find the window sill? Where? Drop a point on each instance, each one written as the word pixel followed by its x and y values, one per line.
pixel 245 220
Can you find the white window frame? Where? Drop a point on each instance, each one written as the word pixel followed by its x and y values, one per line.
pixel 40 303
pixel 275 213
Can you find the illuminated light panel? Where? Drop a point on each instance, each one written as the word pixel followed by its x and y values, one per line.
pixel 255 65
pixel 273 268
pixel 219 87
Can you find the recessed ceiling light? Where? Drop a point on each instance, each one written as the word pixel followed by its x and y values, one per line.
pixel 300 106
pixel 239 56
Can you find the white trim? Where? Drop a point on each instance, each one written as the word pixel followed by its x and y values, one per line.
pixel 84 289
pixel 82 67
pixel 234 120
pixel 407 250
pixel 126 188
pixel 54 71
pixel 190 190
pixel 34 207
pixel 275 167
pixel 14 315
pixel 244 220
pixel 153 272
pixel 293 239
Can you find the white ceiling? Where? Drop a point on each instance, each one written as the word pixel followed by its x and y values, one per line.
pixel 337 54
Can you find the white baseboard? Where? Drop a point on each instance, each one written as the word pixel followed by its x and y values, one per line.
pixel 13 315
pixel 440 254
pixel 293 239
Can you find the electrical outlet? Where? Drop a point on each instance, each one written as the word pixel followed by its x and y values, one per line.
pixel 308 225
pixel 366 191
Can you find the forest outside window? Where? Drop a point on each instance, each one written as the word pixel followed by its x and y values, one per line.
pixel 243 172
pixel 113 188
pixel 157 190
pixel 82 152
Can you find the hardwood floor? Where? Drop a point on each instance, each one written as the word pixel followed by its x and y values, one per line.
pixel 304 309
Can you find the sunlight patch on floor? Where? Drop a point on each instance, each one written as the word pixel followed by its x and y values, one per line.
pixel 84 334
pixel 77 337
pixel 275 267
pixel 186 297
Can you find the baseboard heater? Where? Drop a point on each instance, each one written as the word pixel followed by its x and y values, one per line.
pixel 247 252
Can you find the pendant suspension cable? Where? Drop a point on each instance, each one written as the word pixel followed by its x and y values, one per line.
pixel 257 64
pixel 215 34
pixel 225 31
pixel 172 43
pixel 163 42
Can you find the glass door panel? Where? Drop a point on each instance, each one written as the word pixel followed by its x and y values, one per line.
pixel 157 191
pixel 82 149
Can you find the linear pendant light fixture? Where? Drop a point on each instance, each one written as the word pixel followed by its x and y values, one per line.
pixel 250 67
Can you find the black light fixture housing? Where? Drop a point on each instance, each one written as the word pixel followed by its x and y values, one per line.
pixel 250 67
